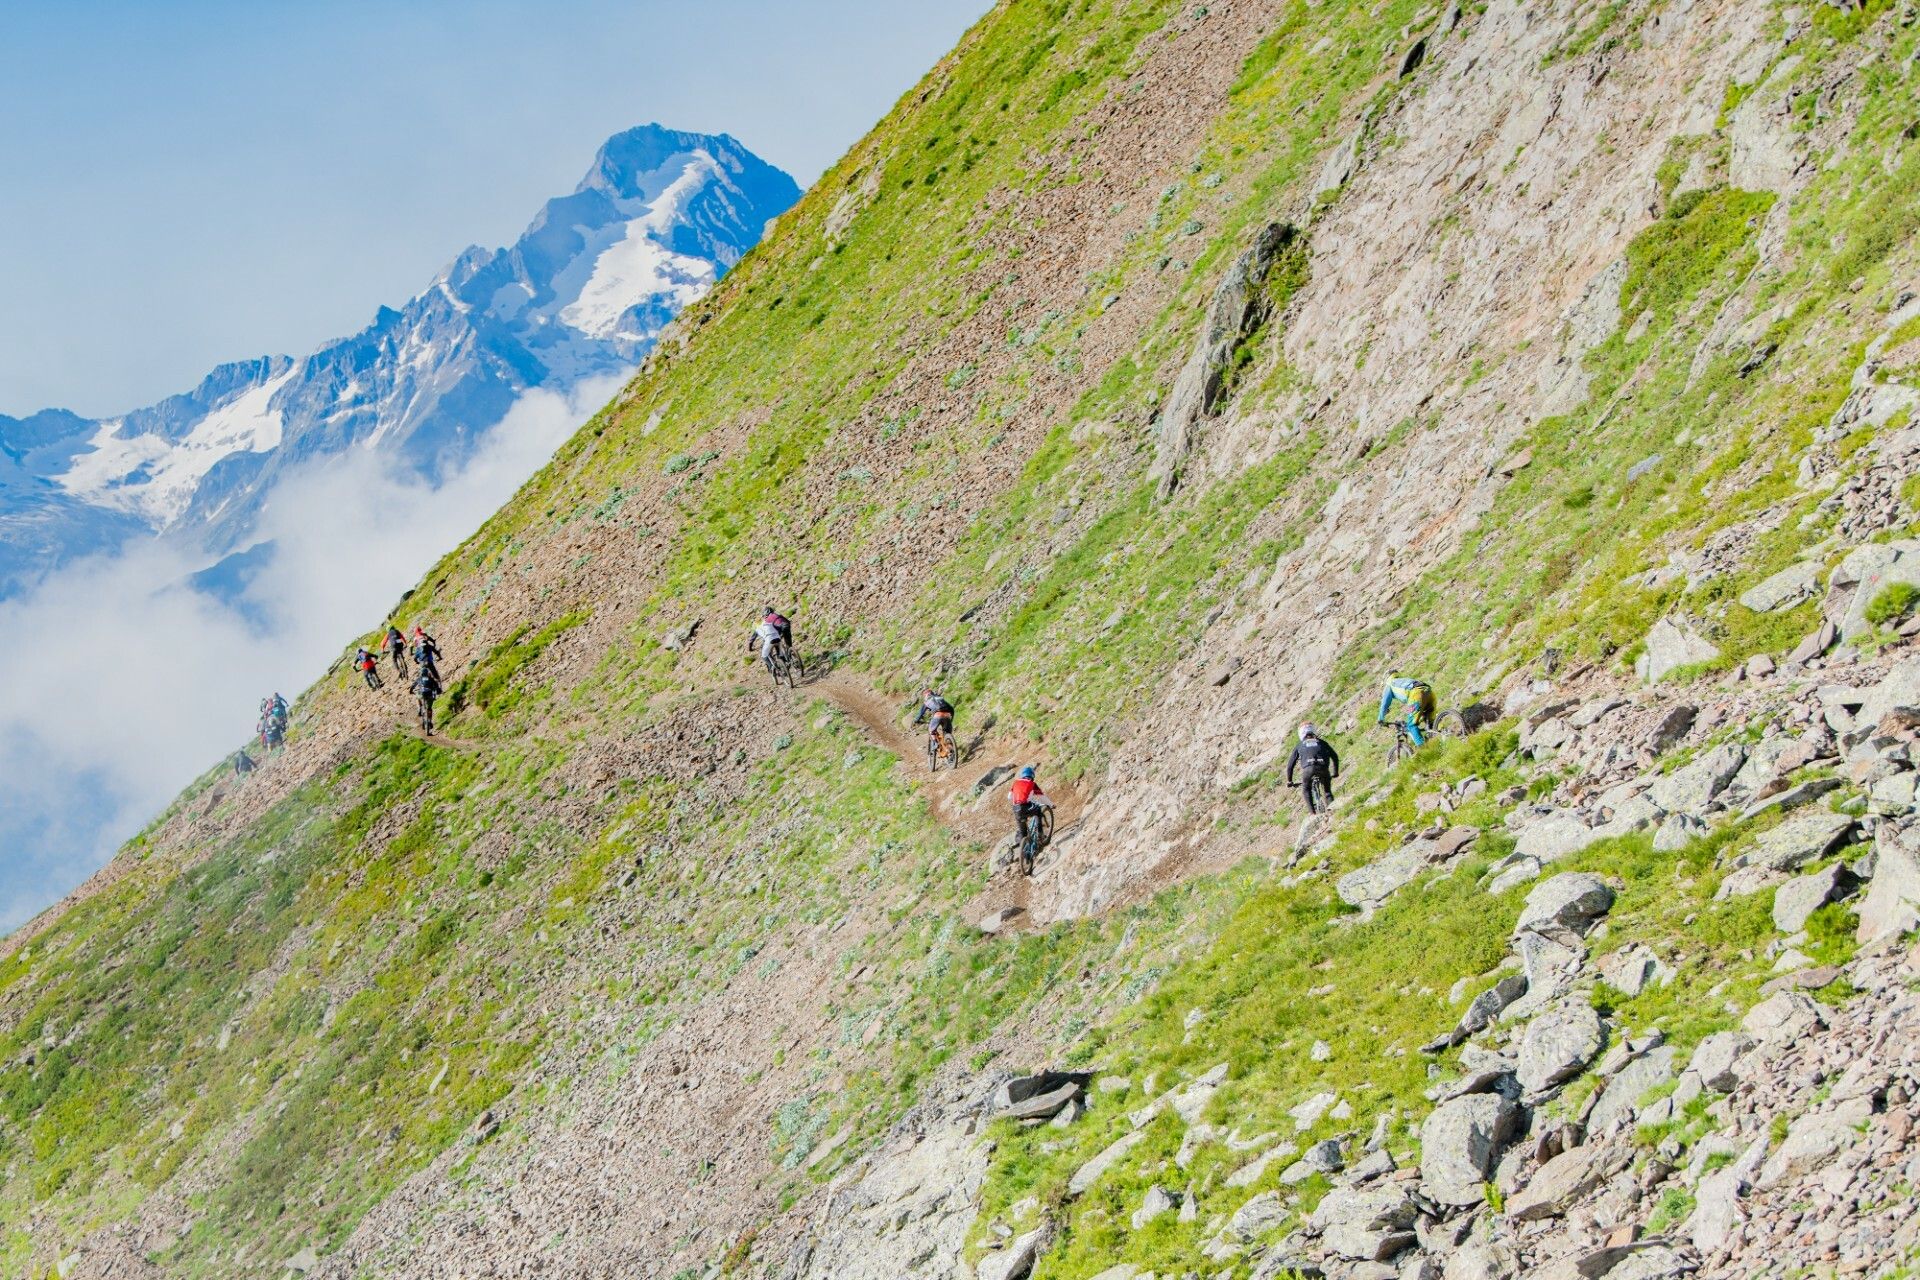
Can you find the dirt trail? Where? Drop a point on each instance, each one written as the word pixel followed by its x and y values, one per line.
pixel 956 796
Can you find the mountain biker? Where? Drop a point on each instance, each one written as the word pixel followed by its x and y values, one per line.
pixel 426 650
pixel 242 763
pixel 426 687
pixel 367 665
pixel 935 712
pixel 396 645
pixel 1414 694
pixel 277 708
pixel 1317 760
pixel 1028 800
pixel 769 639
pixel 770 614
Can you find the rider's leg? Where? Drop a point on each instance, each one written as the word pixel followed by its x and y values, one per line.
pixel 1413 727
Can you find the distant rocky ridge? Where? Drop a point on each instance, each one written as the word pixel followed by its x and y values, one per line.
pixel 583 293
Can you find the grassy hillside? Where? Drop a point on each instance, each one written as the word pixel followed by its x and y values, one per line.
pixel 391 985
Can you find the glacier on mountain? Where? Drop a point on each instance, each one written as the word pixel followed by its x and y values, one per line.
pixel 584 293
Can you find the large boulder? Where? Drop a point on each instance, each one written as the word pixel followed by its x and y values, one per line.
pixel 1093 1170
pixel 1617 1101
pixel 1557 1045
pixel 1892 902
pixel 1014 1261
pixel 1806 836
pixel 1567 904
pixel 1783 1018
pixel 1864 574
pixel 1788 587
pixel 1554 837
pixel 1459 1144
pixel 1692 787
pixel 1564 1179
pixel 1811 1141
pixel 1716 1059
pixel 1900 687
pixel 1798 899
pixel 1670 646
pixel 1373 884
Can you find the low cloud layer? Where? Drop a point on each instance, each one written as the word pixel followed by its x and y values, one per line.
pixel 126 684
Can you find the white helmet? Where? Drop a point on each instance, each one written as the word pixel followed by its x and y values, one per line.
pixel 1308 731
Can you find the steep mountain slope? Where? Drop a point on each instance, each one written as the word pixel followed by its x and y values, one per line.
pixel 584 292
pixel 1154 376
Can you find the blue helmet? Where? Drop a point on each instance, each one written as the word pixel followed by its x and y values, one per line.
pixel 1027 772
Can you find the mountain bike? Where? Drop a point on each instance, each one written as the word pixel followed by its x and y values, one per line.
pixel 373 676
pixel 941 745
pixel 1038 834
pixel 1448 724
pixel 783 663
pixel 426 715
pixel 1318 794
pixel 400 663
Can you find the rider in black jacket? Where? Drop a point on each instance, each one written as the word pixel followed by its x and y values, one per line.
pixel 1313 755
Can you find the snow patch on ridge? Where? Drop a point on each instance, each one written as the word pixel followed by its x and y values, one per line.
pixel 628 272
pixel 157 478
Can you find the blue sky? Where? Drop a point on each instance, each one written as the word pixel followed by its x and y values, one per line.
pixel 196 181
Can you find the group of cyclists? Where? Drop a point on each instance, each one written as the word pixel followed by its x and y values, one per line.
pixel 269 730
pixel 425 686
pixel 1312 766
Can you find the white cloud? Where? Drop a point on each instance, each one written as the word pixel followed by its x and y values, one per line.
pixel 125 685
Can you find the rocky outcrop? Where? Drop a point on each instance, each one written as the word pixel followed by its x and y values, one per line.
pixel 1239 306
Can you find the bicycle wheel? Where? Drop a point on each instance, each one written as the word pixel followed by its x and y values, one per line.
pixel 1450 724
pixel 1402 748
pixel 792 665
pixel 1318 801
pixel 933 753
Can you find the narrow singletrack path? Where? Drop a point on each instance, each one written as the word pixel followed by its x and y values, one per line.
pixel 958 797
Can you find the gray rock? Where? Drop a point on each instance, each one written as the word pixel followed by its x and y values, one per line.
pixel 1323 1156
pixel 1014 1262
pixel 1623 1093
pixel 1673 726
pixel 1480 1260
pixel 1558 1044
pixel 1554 837
pixel 1386 1207
pixel 1564 1179
pixel 1900 687
pixel 1783 1018
pixel 1814 645
pixel 1629 969
pixel 1717 1209
pixel 1238 306
pixel 1872 569
pixel 1788 587
pixel 1155 1203
pixel 1671 645
pixel 1716 1059
pixel 1691 788
pixel 1515 874
pixel 1796 900
pixel 1459 1143
pixel 1257 1215
pixel 1792 797
pixel 1487 1006
pixel 1568 904
pixel 1551 967
pixel 1677 831
pixel 1806 836
pixel 1891 905
pixel 1373 884
pixel 1811 1141
pixel 1651 1261
pixel 1095 1169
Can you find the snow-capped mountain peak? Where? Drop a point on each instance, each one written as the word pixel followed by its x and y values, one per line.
pixel 659 216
